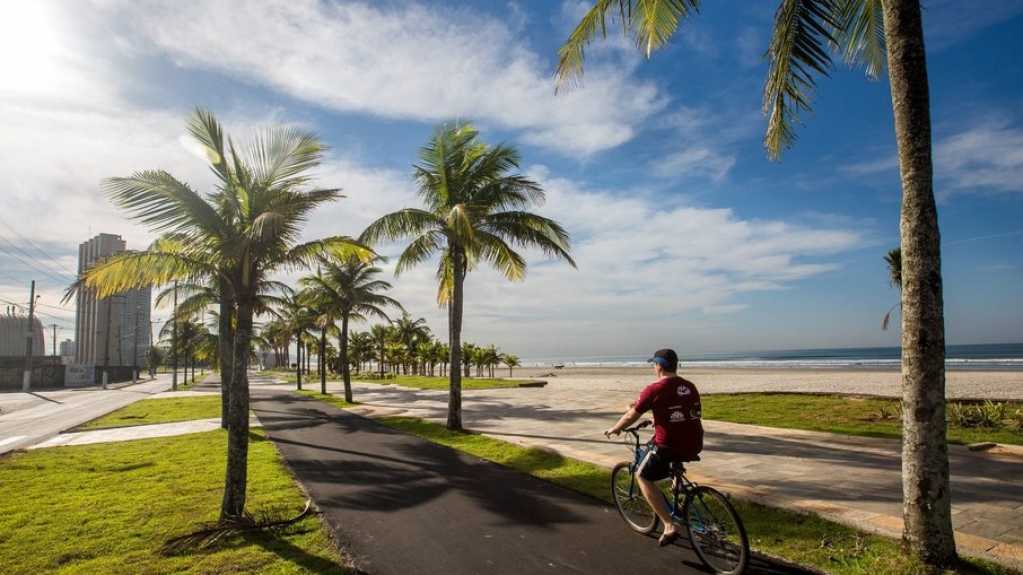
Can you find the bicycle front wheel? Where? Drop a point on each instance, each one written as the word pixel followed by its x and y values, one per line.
pixel 716 531
pixel 629 499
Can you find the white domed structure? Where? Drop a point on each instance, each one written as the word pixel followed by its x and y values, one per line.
pixel 14 335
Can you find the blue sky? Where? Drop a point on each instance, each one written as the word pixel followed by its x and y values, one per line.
pixel 685 234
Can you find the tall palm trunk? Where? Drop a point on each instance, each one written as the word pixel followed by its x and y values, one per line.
pixel 298 360
pixel 455 334
pixel 225 343
pixel 321 361
pixel 236 476
pixel 927 502
pixel 346 375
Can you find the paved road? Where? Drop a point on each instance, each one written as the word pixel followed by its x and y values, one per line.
pixel 400 504
pixel 27 419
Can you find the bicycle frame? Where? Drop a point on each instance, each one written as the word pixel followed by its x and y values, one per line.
pixel 680 484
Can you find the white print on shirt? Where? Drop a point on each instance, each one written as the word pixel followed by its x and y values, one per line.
pixel 683 390
pixel 677 416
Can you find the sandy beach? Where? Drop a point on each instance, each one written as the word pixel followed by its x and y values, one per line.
pixel 995 385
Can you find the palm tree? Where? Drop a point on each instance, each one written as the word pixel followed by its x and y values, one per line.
pixel 409 332
pixel 894 260
pixel 864 32
pixel 236 236
pixel 360 349
pixel 474 214
pixel 381 334
pixel 348 289
pixel 296 321
pixel 468 357
pixel 512 361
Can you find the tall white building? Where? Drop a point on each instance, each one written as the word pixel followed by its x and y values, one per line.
pixel 115 330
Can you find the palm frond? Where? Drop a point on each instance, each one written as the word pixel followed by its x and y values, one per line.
pixel 401 224
pixel 650 23
pixel 860 34
pixel 797 51
pixel 160 201
pixel 419 250
pixel 136 269
pixel 571 55
pixel 207 131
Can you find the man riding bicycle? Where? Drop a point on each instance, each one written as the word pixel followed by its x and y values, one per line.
pixel 678 432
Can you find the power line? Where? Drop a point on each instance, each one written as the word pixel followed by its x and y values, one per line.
pixel 47 256
pixel 42 271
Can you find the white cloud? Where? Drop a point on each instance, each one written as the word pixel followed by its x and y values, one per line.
pixel 409 63
pixel 984 156
pixel 988 156
pixel 642 269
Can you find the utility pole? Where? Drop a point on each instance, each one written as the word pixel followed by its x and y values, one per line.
pixel 26 384
pixel 54 326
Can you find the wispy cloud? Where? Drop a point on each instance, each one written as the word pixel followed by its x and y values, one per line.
pixel 985 157
pixel 411 61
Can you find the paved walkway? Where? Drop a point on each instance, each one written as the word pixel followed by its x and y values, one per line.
pixel 402 504
pixel 851 480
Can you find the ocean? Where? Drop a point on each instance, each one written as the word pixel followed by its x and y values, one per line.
pixel 997 356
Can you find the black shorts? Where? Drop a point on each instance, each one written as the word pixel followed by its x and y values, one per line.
pixel 656 465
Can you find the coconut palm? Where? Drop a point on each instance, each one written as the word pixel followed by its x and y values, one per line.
pixel 894 260
pixel 512 361
pixel 296 321
pixel 347 289
pixel 473 215
pixel 360 349
pixel 236 236
pixel 874 33
pixel 409 332
pixel 381 334
pixel 323 315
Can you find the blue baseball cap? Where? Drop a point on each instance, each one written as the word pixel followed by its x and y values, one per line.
pixel 666 358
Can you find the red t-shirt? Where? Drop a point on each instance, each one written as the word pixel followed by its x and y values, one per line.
pixel 675 403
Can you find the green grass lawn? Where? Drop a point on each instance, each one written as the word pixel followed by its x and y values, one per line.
pixel 159 410
pixel 836 414
pixel 107 508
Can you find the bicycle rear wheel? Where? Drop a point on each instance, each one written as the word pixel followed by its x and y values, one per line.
pixel 629 499
pixel 716 531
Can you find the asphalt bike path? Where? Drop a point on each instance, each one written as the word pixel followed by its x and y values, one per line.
pixel 399 504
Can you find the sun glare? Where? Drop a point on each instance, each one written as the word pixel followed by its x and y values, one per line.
pixel 29 48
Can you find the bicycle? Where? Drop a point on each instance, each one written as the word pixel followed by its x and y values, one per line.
pixel 715 529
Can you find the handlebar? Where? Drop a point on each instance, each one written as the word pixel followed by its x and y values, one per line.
pixel 634 430
pixel 640 425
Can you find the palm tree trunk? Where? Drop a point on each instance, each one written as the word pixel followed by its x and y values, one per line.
pixel 225 343
pixel 927 502
pixel 346 374
pixel 236 477
pixel 298 361
pixel 321 361
pixel 455 333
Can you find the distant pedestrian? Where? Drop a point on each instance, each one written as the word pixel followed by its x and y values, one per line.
pixel 678 431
